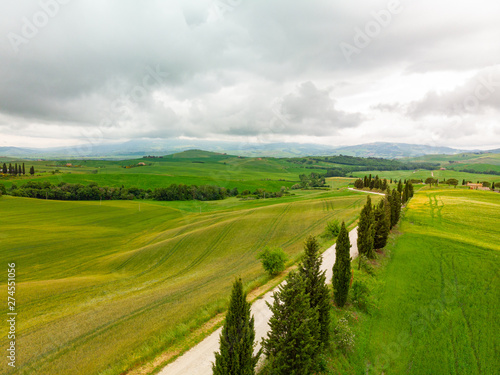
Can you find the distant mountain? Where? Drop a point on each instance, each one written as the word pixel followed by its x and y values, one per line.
pixel 140 147
pixel 394 150
pixel 157 147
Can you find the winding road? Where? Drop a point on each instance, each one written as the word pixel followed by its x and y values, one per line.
pixel 198 360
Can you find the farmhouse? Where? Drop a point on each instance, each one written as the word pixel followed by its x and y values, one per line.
pixel 474 186
pixel 141 163
pixel 478 186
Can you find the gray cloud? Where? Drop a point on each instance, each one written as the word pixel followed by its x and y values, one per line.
pixel 477 95
pixel 220 74
pixel 313 109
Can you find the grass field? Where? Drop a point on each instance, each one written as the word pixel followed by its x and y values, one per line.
pixel 197 167
pixel 189 167
pixel 101 287
pixel 438 305
pixel 480 162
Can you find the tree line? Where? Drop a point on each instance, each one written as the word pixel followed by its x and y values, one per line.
pixel 497 173
pixel 300 323
pixel 16 170
pixel 92 191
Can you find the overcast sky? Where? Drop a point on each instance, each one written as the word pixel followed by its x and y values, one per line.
pixel 319 71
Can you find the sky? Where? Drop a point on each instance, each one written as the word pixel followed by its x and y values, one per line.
pixel 331 72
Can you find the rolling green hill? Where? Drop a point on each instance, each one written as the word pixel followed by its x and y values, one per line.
pixel 471 162
pixel 190 167
pixel 101 286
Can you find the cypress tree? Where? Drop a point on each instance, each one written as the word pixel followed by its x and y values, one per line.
pixel 400 187
pixel 366 230
pixel 4 168
pixel 388 196
pixel 291 344
pixel 316 288
pixel 396 207
pixel 410 189
pixel 382 224
pixel 406 193
pixel 342 267
pixel 11 170
pixel 32 170
pixel 235 355
pixel 24 171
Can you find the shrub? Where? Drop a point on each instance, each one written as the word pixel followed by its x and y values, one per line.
pixel 360 294
pixel 332 229
pixel 365 265
pixel 343 336
pixel 273 260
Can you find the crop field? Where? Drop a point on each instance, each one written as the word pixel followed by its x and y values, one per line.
pixel 438 301
pixel 480 162
pixel 189 167
pixel 423 174
pixel 101 287
pixel 470 157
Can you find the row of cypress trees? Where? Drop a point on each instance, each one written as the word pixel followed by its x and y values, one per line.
pixel 376 222
pixel 16 170
pixel 300 324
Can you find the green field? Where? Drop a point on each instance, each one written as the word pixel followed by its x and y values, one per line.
pixel 480 162
pixel 197 167
pixel 101 287
pixel 468 157
pixel 189 167
pixel 104 286
pixel 438 302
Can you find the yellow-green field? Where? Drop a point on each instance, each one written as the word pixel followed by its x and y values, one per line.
pixel 102 286
pixel 437 302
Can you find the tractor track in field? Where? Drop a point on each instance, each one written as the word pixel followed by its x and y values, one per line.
pixel 467 321
pixel 72 344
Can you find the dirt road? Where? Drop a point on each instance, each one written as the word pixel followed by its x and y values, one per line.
pixel 198 360
pixel 365 191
